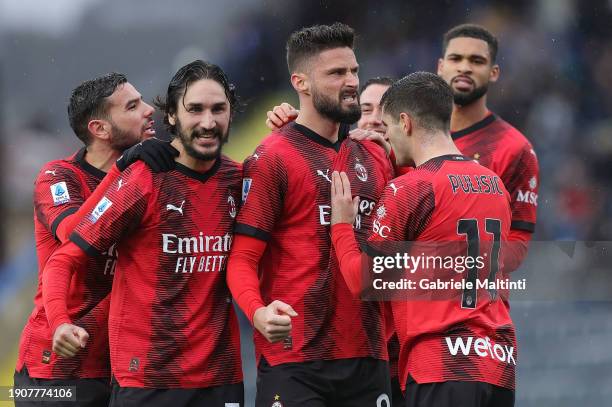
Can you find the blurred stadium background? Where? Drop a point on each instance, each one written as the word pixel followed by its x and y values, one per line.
pixel 555 86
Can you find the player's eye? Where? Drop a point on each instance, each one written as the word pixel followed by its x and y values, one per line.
pixel 366 111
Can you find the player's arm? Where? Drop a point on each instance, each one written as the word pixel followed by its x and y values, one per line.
pixel 58 194
pixel 115 214
pixel 67 224
pixel 157 154
pixel 68 339
pixel 523 185
pixel 344 210
pixel 273 321
pixel 399 219
pixel 264 188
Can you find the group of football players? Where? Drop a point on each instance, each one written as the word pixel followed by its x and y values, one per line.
pixel 143 244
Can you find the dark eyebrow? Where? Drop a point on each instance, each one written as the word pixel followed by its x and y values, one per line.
pixel 470 56
pixel 367 104
pixel 337 69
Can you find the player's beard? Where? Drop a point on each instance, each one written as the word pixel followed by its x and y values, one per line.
pixel 467 98
pixel 122 140
pixel 332 109
pixel 187 140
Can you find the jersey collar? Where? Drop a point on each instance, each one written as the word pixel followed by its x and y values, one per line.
pixel 80 158
pixel 315 137
pixel 200 176
pixel 447 157
pixel 476 126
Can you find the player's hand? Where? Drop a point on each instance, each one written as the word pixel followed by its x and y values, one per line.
pixel 344 206
pixel 157 154
pixel 281 115
pixel 69 339
pixel 376 137
pixel 274 321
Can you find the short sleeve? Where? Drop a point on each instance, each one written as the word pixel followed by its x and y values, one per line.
pixel 264 186
pixel 522 184
pixel 58 193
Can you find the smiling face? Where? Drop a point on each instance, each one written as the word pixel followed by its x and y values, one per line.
pixel 129 117
pixel 468 69
pixel 202 119
pixel 371 113
pixel 334 84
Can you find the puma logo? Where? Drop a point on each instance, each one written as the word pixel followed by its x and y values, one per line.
pixel 179 209
pixel 52 172
pixel 324 174
pixel 394 188
pixel 120 184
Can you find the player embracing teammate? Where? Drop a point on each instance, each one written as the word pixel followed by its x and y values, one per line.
pixel 172 328
pixel 424 206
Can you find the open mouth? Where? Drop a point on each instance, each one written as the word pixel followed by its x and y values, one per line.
pixel 205 136
pixel 206 139
pixel 148 130
pixel 349 97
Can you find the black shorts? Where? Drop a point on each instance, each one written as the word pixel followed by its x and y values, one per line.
pixel 457 394
pixel 354 382
pixel 230 395
pixel 89 392
pixel 397 397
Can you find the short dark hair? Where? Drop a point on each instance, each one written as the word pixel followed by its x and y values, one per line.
pixel 310 41
pixel 184 77
pixel 423 95
pixel 472 31
pixel 378 80
pixel 89 101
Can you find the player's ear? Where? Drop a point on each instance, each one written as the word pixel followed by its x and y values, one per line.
pixel 172 119
pixel 99 129
pixel 494 75
pixel 300 82
pixel 406 123
pixel 440 62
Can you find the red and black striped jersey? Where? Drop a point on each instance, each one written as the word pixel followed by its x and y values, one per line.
pixel 60 189
pixel 286 193
pixel 171 322
pixel 504 150
pixel 453 205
